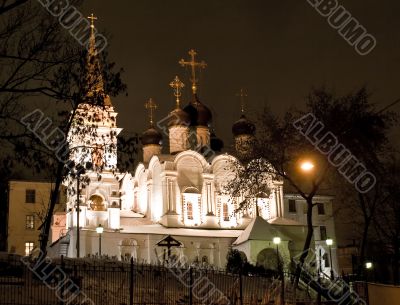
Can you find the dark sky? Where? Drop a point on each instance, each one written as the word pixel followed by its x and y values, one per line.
pixel 277 50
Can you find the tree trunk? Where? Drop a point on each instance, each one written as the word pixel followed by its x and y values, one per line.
pixel 307 243
pixel 363 246
pixel 46 225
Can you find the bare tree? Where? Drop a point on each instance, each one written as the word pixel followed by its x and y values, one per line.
pixel 284 142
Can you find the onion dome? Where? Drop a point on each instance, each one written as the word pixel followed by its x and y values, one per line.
pixel 243 127
pixel 216 143
pixel 178 117
pixel 151 136
pixel 199 114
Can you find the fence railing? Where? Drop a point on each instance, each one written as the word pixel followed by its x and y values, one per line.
pixel 95 281
pixel 106 282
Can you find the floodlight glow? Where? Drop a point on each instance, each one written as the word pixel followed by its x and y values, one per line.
pixel 329 242
pixel 368 265
pixel 277 240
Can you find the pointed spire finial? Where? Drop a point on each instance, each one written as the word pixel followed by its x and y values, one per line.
pixel 177 86
pixel 242 94
pixel 151 106
pixel 92 19
pixel 193 64
pixel 94 73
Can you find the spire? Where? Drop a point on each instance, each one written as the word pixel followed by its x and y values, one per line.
pixel 177 86
pixel 193 64
pixel 94 76
pixel 242 94
pixel 150 105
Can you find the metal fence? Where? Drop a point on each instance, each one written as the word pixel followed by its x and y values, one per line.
pixel 107 282
pixel 95 281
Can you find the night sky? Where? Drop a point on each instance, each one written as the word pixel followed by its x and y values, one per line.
pixel 276 50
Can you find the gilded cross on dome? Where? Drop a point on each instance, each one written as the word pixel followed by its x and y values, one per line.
pixel 193 64
pixel 242 94
pixel 177 86
pixel 92 19
pixel 151 106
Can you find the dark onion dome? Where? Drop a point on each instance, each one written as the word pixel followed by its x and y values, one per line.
pixel 243 127
pixel 178 117
pixel 198 113
pixel 216 143
pixel 151 136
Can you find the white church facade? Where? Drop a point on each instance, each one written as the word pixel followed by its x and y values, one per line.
pixel 178 191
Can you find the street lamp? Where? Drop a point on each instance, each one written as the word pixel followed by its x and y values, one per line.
pixel 329 243
pixel 306 166
pixel 277 241
pixel 368 265
pixel 99 231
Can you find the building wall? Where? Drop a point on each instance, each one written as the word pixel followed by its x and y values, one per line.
pixel 19 231
pixel 143 247
pixel 383 294
pixel 324 227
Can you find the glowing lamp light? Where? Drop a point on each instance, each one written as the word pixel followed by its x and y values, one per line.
pixel 100 229
pixel 329 242
pixel 306 166
pixel 277 240
pixel 368 265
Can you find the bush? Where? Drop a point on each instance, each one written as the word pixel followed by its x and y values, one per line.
pixel 237 263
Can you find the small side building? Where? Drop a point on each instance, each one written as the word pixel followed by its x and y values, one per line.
pixel 27 206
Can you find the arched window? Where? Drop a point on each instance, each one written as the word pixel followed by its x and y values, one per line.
pixel 189 209
pixel 97 203
pixel 225 212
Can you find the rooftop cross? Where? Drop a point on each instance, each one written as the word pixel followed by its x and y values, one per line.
pixel 92 19
pixel 151 106
pixel 177 86
pixel 242 94
pixel 193 64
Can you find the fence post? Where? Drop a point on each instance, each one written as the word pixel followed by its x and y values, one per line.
pixel 240 288
pixel 62 286
pixel 131 283
pixel 190 286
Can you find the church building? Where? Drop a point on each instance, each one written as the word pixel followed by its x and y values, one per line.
pixel 175 205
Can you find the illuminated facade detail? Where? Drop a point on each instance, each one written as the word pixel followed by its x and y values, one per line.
pixel 189 210
pixel 225 212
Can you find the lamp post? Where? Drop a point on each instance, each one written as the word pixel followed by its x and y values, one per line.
pixel 79 171
pixel 99 231
pixel 277 241
pixel 329 243
pixel 368 265
pixel 319 276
